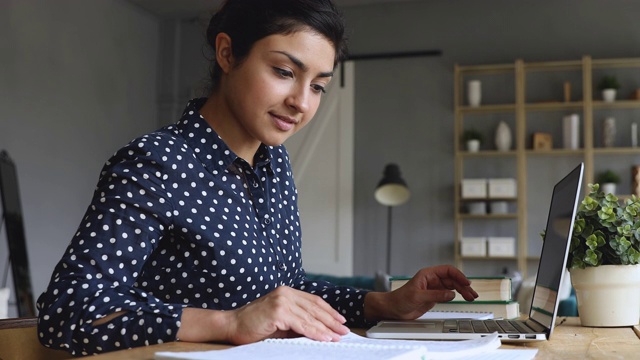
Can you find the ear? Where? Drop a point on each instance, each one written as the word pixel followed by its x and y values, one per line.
pixel 224 55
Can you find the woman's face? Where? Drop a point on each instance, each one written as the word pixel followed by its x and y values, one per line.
pixel 276 90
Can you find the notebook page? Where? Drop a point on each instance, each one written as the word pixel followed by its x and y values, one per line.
pixel 458 349
pixel 351 346
pixel 285 350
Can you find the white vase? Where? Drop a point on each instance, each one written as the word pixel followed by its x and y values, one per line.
pixel 503 137
pixel 571 131
pixel 609 95
pixel 609 132
pixel 608 295
pixel 473 145
pixel 474 92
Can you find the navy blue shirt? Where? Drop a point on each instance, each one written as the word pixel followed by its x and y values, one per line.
pixel 178 220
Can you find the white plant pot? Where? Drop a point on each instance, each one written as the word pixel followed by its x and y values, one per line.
pixel 608 295
pixel 473 145
pixel 608 188
pixel 609 95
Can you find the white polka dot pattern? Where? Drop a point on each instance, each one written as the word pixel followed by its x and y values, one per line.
pixel 178 220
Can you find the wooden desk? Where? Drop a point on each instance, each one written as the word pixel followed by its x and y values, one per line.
pixel 569 341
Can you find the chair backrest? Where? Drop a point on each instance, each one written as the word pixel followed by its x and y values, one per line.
pixel 12 216
pixel 19 341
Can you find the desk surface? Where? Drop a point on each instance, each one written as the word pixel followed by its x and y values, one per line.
pixel 569 341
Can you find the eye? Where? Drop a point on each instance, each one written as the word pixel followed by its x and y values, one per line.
pixel 318 89
pixel 283 73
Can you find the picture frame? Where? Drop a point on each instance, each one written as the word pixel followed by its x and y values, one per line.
pixel 542 141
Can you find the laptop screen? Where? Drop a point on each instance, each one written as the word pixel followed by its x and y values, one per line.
pixel 555 248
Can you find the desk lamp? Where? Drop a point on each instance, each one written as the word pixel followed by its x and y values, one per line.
pixel 392 191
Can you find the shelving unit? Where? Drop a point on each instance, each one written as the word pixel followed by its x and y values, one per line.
pixel 530 98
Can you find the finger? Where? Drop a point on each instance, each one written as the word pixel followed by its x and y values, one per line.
pixel 449 277
pixel 306 314
pixel 304 323
pixel 313 308
pixel 437 296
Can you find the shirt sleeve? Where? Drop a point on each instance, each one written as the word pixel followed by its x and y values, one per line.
pixel 348 301
pixel 97 274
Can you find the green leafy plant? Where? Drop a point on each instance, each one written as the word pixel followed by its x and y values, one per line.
pixel 608 176
pixel 609 82
pixel 472 134
pixel 605 231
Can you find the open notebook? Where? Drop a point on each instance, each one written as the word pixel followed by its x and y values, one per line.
pixel 350 347
pixel 553 259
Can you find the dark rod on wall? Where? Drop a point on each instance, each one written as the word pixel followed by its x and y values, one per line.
pixel 389 55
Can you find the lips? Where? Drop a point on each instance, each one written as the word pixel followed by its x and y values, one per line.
pixel 283 123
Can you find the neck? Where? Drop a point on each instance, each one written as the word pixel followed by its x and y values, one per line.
pixel 218 116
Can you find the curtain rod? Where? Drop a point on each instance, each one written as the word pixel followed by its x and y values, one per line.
pixel 389 55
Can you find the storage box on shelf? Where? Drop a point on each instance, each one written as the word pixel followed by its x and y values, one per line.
pixel 473 246
pixel 533 98
pixel 501 246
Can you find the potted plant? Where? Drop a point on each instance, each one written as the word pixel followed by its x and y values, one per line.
pixel 473 139
pixel 608 181
pixel 609 86
pixel 604 259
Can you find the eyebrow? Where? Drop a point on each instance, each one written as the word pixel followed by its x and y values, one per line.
pixel 302 65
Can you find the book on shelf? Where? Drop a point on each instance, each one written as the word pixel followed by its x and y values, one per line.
pixel 500 309
pixel 489 288
pixel 350 347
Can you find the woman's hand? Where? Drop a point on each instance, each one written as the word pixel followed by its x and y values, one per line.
pixel 427 287
pixel 284 312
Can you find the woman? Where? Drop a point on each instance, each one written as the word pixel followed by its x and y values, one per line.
pixel 193 231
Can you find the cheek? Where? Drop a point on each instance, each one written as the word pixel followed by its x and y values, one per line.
pixel 314 104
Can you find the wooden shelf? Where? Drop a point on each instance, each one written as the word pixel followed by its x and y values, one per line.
pixel 554 152
pixel 618 104
pixel 487 108
pixel 554 106
pixel 487 153
pixel 553 65
pixel 488 258
pixel 465 200
pixel 488 216
pixel 616 151
pixel 525 117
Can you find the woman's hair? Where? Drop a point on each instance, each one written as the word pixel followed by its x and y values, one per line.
pixel 247 21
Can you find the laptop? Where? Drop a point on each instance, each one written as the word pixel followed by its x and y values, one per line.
pixel 544 306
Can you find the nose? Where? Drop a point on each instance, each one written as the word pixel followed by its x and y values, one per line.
pixel 298 99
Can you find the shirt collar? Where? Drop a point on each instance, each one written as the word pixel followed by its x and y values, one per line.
pixel 212 151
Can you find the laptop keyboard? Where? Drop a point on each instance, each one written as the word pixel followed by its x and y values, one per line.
pixel 486 326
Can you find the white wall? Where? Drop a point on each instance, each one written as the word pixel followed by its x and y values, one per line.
pixel 78 79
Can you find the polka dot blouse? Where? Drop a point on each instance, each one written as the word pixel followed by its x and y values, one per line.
pixel 178 220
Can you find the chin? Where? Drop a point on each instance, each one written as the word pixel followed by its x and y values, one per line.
pixel 275 141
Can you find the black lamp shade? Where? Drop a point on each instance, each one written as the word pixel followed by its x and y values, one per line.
pixel 392 190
